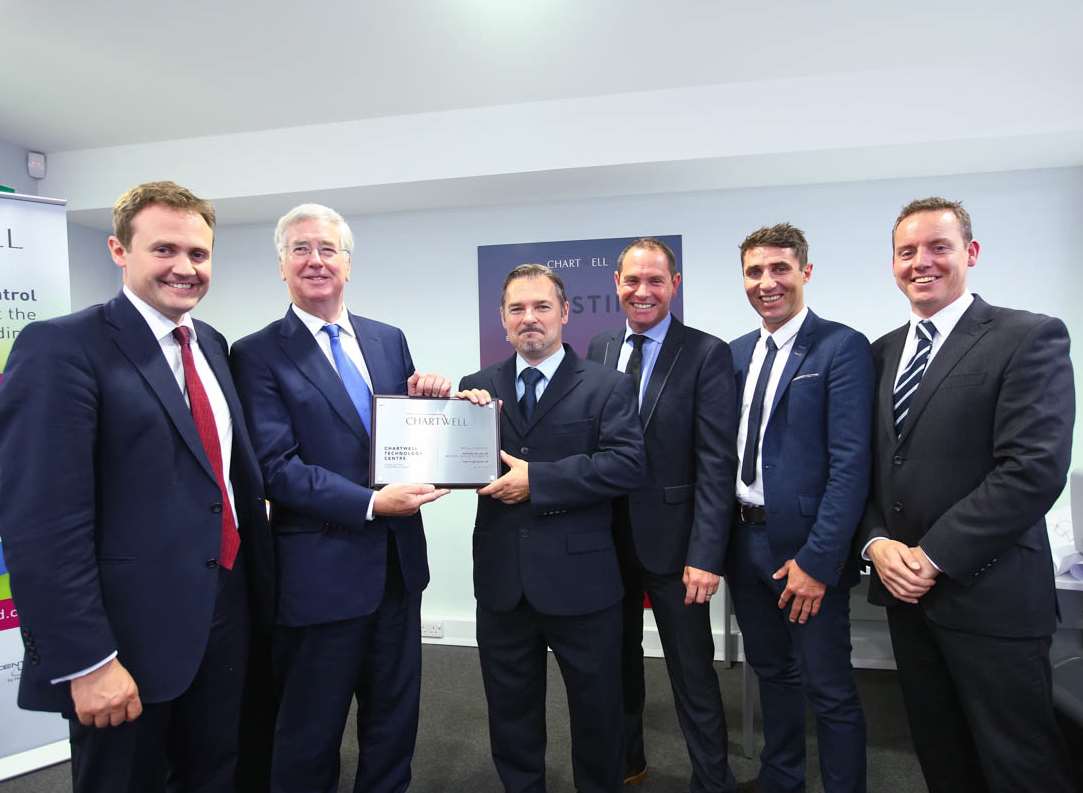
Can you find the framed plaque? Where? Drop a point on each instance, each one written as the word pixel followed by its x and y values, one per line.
pixel 434 440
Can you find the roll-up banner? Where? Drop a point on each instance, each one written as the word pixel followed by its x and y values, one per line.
pixel 34 284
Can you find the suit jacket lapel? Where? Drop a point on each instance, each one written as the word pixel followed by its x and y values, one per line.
pixel 135 340
pixel 372 349
pixel 220 367
pixel 504 389
pixel 886 397
pixel 307 356
pixel 971 326
pixel 565 379
pixel 612 349
pixel 796 357
pixel 672 345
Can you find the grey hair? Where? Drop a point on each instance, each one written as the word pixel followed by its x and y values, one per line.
pixel 313 212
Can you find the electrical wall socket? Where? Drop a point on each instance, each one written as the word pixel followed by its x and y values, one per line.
pixel 432 629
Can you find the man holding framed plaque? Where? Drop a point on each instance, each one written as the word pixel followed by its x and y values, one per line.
pixel 545 565
pixel 351 560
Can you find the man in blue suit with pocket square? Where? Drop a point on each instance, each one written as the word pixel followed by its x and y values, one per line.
pixel 351 560
pixel 805 387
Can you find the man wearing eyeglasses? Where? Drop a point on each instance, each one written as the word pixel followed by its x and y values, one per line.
pixel 351 560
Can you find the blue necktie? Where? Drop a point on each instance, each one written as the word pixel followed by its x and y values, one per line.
pixel 530 377
pixel 910 379
pixel 356 387
pixel 755 416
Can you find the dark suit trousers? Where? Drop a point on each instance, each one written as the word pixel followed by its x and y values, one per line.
pixel 187 744
pixel 513 668
pixel 688 645
pixel 321 668
pixel 980 708
pixel 794 662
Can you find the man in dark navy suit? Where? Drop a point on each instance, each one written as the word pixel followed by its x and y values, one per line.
pixel 805 388
pixel 974 414
pixel 672 533
pixel 133 515
pixel 351 560
pixel 545 565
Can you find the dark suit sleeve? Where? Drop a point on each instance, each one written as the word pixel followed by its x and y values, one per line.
pixel 48 427
pixel 715 441
pixel 617 467
pixel 1032 444
pixel 289 481
pixel 850 389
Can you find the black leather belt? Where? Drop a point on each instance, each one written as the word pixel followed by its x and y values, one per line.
pixel 751 514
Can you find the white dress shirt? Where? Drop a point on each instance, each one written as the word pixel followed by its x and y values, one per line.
pixel 784 336
pixel 944 321
pixel 651 347
pixel 348 341
pixel 162 328
pixel 548 368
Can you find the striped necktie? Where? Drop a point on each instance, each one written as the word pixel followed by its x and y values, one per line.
pixel 910 379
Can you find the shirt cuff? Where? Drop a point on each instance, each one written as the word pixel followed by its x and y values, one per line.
pixel 865 550
pixel 370 513
pixel 86 671
pixel 939 569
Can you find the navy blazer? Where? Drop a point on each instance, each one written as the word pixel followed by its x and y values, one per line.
pixel 683 515
pixel 584 447
pixel 983 454
pixel 118 552
pixel 816 447
pixel 314 453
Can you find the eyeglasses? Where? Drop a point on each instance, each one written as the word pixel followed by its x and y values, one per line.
pixel 303 250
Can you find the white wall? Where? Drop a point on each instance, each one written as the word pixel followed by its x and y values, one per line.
pixel 418 270
pixel 94 277
pixel 13 169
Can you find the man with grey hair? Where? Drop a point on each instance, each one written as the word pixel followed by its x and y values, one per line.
pixel 351 560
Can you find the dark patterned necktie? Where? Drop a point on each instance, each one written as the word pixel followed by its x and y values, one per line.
pixel 910 379
pixel 530 377
pixel 755 416
pixel 634 369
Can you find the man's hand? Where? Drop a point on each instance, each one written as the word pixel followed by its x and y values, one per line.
pixel 928 569
pixel 699 585
pixel 901 569
pixel 404 499
pixel 106 697
pixel 479 396
pixel 429 385
pixel 806 592
pixel 514 486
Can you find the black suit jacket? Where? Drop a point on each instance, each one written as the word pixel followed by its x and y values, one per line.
pixel 584 447
pixel 111 515
pixel 983 455
pixel 682 515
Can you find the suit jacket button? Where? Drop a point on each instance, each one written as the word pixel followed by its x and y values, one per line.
pixel 524 533
pixel 896 460
pixel 216 508
pixel 524 450
pixel 896 507
pixel 212 563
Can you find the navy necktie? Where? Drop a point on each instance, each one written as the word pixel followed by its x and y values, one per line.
pixel 355 384
pixel 635 361
pixel 530 377
pixel 755 416
pixel 910 379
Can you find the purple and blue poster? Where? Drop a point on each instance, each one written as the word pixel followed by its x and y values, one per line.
pixel 585 266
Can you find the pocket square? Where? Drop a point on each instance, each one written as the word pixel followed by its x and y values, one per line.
pixel 803 376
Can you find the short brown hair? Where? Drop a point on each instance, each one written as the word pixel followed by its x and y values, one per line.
pixel 534 271
pixel 780 235
pixel 651 244
pixel 168 194
pixel 932 204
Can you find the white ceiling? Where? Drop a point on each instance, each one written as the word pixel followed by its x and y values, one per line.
pixel 114 90
pixel 86 74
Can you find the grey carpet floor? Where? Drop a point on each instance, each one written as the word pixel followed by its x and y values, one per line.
pixel 453 743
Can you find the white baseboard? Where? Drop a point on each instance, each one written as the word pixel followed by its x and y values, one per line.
pixel 33 759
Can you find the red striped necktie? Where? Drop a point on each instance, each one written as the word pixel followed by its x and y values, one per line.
pixel 208 433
